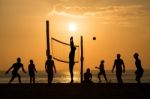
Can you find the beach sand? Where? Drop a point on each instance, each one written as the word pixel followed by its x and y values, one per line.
pixel 75 91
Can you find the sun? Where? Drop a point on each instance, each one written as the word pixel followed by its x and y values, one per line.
pixel 72 27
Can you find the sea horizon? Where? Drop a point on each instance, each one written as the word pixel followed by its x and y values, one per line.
pixel 64 77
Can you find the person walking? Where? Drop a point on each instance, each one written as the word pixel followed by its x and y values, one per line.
pixel 118 63
pixel 50 68
pixel 139 72
pixel 102 71
pixel 32 70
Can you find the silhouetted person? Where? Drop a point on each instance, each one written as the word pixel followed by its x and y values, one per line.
pixel 87 76
pixel 16 66
pixel 102 71
pixel 49 67
pixel 71 58
pixel 118 63
pixel 32 70
pixel 139 72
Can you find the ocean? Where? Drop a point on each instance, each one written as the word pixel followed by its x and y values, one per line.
pixel 64 77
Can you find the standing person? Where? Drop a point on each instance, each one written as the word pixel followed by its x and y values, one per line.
pixel 32 70
pixel 139 72
pixel 16 66
pixel 87 76
pixel 71 58
pixel 102 71
pixel 49 66
pixel 118 63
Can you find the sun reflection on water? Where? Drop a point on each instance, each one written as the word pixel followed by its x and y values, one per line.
pixel 65 77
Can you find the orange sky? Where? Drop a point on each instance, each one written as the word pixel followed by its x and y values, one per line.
pixel 119 26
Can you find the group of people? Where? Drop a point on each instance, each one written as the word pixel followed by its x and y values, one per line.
pixel 118 64
pixel 16 66
pixel 50 68
pixel 120 68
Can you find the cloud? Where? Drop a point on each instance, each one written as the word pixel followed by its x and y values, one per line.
pixel 112 11
pixel 100 9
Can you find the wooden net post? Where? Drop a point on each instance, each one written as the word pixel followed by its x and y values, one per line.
pixel 47 38
pixel 82 59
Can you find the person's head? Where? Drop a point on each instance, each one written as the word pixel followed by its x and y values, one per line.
pixel 71 37
pixel 31 61
pixel 102 61
pixel 88 70
pixel 118 56
pixel 18 59
pixel 136 55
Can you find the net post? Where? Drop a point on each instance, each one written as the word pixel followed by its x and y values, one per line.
pixel 82 58
pixel 47 38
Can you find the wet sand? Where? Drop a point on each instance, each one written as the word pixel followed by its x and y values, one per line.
pixel 75 91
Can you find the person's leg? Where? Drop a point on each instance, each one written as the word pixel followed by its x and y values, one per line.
pixel 119 79
pixel 50 78
pixel 99 77
pixel 33 79
pixel 105 77
pixel 12 78
pixel 119 76
pixel 19 78
pixel 30 79
pixel 71 71
pixel 138 77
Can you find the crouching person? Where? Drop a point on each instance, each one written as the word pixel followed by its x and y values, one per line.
pixel 88 76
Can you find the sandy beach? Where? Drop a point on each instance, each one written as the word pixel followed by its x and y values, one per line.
pixel 74 91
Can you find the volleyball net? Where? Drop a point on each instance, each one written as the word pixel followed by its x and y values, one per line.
pixel 60 51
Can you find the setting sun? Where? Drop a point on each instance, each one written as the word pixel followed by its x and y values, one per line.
pixel 72 27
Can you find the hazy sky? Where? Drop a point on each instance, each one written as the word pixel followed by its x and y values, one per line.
pixel 120 26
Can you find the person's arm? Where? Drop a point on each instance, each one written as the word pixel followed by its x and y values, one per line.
pixel 113 66
pixel 97 67
pixel 23 69
pixel 9 69
pixel 35 69
pixel 46 66
pixel 123 66
pixel 28 67
pixel 71 42
pixel 54 66
pixel 91 77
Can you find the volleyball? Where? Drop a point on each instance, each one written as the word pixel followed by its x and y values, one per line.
pixel 94 38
